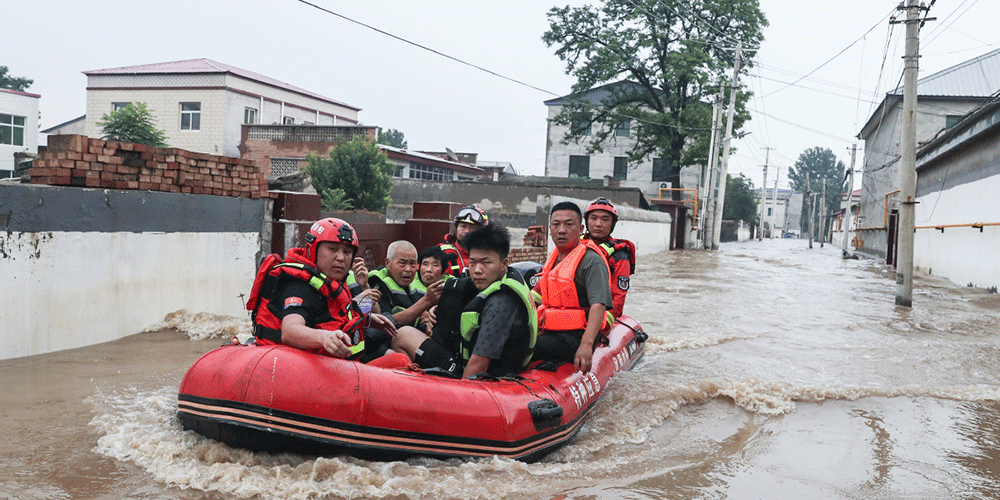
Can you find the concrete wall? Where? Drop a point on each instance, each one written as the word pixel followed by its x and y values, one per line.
pixel 84 266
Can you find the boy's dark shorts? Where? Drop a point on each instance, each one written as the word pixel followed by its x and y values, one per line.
pixel 431 354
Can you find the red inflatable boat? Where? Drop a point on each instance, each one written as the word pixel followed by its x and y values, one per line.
pixel 276 398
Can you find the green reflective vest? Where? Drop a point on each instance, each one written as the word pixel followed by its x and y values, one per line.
pixel 518 349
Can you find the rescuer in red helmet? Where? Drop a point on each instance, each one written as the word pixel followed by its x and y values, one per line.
pixel 304 301
pixel 601 217
pixel 468 218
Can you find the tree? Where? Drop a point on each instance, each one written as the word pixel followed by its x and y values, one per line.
pixel 133 123
pixel 819 163
pixel 392 137
pixel 669 58
pixel 740 202
pixel 13 82
pixel 356 175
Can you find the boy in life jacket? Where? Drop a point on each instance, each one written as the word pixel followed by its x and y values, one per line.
pixel 486 322
pixel 457 256
pixel 395 283
pixel 303 302
pixel 601 217
pixel 574 291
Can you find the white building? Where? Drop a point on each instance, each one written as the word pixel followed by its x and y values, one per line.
pixel 18 127
pixel 943 98
pixel 572 160
pixel 202 104
pixel 782 213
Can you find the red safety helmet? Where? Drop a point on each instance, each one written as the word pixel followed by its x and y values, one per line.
pixel 330 229
pixel 473 215
pixel 605 204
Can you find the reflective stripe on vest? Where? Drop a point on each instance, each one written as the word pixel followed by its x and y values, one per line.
pixel 401 299
pixel 561 310
pixel 469 323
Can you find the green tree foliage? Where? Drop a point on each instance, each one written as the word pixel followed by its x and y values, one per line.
pixel 674 54
pixel 740 202
pixel 133 123
pixel 819 163
pixel 391 137
pixel 12 82
pixel 356 175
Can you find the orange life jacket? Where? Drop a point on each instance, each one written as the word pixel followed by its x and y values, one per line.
pixel 343 315
pixel 560 309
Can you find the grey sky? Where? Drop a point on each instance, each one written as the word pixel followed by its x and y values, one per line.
pixel 439 103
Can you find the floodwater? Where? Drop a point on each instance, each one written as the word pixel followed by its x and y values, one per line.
pixel 772 371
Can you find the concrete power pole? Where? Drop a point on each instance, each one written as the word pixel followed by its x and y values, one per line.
pixel 774 200
pixel 727 142
pixel 763 196
pixel 823 213
pixel 708 207
pixel 850 200
pixel 908 159
pixel 809 208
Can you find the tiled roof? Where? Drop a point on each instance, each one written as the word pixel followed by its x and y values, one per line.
pixel 18 92
pixel 209 66
pixel 596 95
pixel 977 77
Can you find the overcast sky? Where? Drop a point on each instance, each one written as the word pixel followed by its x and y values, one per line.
pixel 437 102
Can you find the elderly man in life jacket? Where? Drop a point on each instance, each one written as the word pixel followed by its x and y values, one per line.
pixel 601 217
pixel 304 302
pixel 399 297
pixel 457 256
pixel 574 292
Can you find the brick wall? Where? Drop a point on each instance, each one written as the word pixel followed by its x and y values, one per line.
pixel 77 160
pixel 528 254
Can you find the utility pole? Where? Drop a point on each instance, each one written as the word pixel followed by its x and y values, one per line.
pixel 823 213
pixel 908 158
pixel 809 208
pixel 763 196
pixel 850 200
pixel 708 207
pixel 727 142
pixel 774 200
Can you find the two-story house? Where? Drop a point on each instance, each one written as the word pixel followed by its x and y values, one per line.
pixel 202 104
pixel 18 127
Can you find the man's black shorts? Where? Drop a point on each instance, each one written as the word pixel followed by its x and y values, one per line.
pixel 431 354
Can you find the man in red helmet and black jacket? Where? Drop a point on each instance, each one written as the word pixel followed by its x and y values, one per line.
pixel 601 218
pixel 303 302
pixel 457 257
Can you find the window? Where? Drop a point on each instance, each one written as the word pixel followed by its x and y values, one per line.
pixel 12 130
pixel 662 172
pixel 579 166
pixel 952 120
pixel 284 166
pixel 288 120
pixel 769 211
pixel 621 168
pixel 430 172
pixel 580 127
pixel 115 106
pixel 249 116
pixel 190 116
pixel 622 129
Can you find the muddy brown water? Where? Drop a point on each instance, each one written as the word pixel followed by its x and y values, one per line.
pixel 772 371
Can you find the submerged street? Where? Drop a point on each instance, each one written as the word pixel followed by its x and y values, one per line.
pixel 772 370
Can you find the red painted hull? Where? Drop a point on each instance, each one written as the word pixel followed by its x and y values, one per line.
pixel 278 398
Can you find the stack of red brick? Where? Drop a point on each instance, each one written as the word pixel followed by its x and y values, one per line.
pixel 77 160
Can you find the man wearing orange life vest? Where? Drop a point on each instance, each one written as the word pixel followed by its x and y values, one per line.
pixel 601 217
pixel 303 302
pixel 574 290
pixel 468 218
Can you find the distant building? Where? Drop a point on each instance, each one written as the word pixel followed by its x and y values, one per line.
pixel 572 160
pixel 75 126
pixel 943 98
pixel 18 127
pixel 783 216
pixel 202 104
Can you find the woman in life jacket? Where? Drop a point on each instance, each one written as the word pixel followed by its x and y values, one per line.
pixel 304 302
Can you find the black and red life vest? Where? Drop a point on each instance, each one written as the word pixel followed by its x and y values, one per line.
pixel 341 315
